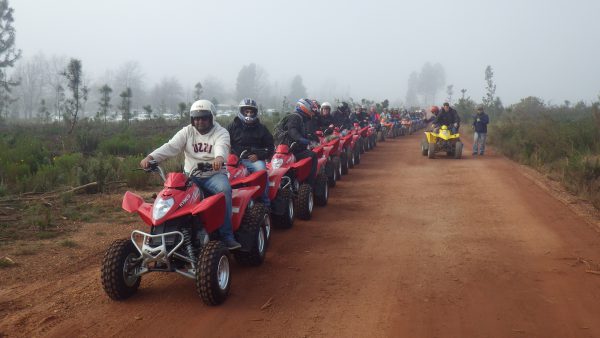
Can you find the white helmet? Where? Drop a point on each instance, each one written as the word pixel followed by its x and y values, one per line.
pixel 326 105
pixel 201 107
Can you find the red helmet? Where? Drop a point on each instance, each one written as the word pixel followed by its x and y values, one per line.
pixel 434 110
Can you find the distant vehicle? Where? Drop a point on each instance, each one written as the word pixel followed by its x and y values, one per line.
pixel 225 113
pixel 169 116
pixel 271 111
pixel 142 117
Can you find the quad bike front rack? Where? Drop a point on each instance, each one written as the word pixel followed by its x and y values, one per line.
pixel 159 254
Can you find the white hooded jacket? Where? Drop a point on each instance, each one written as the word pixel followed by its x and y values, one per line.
pixel 195 146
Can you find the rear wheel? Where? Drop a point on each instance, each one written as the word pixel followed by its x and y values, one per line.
pixel 305 202
pixel 321 190
pixel 213 274
pixel 119 278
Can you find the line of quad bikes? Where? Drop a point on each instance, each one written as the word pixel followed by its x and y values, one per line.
pixel 183 219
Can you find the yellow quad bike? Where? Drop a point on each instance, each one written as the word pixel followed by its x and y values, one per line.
pixel 443 140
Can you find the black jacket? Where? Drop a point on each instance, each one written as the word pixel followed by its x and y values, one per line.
pixel 253 137
pixel 341 120
pixel 296 130
pixel 480 122
pixel 447 118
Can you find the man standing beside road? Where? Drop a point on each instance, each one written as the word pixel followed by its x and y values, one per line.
pixel 480 122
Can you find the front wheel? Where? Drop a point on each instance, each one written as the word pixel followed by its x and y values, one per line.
pixel 321 190
pixel 357 153
pixel 256 222
pixel 458 147
pixel 119 278
pixel 424 148
pixel 285 220
pixel 337 167
pixel 213 274
pixel 431 150
pixel 344 162
pixel 305 202
pixel 351 159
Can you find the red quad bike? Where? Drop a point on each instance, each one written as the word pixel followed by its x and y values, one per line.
pixel 351 144
pixel 240 176
pixel 363 140
pixel 288 177
pixel 332 151
pixel 369 137
pixel 182 237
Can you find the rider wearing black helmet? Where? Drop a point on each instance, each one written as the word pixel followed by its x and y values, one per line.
pixel 248 134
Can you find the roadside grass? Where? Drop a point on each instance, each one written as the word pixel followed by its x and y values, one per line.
pixel 68 243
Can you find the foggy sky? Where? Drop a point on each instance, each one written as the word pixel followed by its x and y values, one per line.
pixel 547 49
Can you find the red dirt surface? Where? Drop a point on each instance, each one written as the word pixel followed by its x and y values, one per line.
pixel 407 247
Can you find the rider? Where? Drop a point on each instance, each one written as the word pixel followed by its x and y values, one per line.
pixel 448 117
pixel 340 116
pixel 247 133
pixel 295 131
pixel 326 120
pixel 204 140
pixel 314 124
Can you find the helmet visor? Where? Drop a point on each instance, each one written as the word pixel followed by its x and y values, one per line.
pixel 200 114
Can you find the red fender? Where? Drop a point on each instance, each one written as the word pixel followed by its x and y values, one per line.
pixel 131 202
pixel 258 179
pixel 302 168
pixel 239 201
pixel 275 176
pixel 135 203
pixel 211 211
pixel 321 163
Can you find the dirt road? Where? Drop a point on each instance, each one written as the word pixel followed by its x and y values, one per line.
pixel 407 247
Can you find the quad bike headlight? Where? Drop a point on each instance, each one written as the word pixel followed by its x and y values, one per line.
pixel 161 207
pixel 276 163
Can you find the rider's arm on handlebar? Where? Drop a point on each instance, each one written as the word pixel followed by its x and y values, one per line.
pixel 145 162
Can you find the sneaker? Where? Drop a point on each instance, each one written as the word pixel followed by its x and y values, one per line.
pixel 232 244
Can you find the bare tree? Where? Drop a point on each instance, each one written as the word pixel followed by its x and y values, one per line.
pixel 251 82
pixel 79 91
pixel 449 92
pixel 104 101
pixel 8 55
pixel 198 91
pixel 431 80
pixel 130 75
pixel 32 73
pixel 166 95
pixel 297 89
pixel 412 100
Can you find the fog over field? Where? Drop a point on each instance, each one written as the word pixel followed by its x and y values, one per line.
pixel 359 49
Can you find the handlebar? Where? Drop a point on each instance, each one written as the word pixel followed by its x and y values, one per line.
pixel 154 167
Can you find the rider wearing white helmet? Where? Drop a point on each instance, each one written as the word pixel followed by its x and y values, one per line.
pixel 202 141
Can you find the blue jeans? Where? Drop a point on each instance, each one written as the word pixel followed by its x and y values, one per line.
pixel 254 167
pixel 215 184
pixel 479 142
